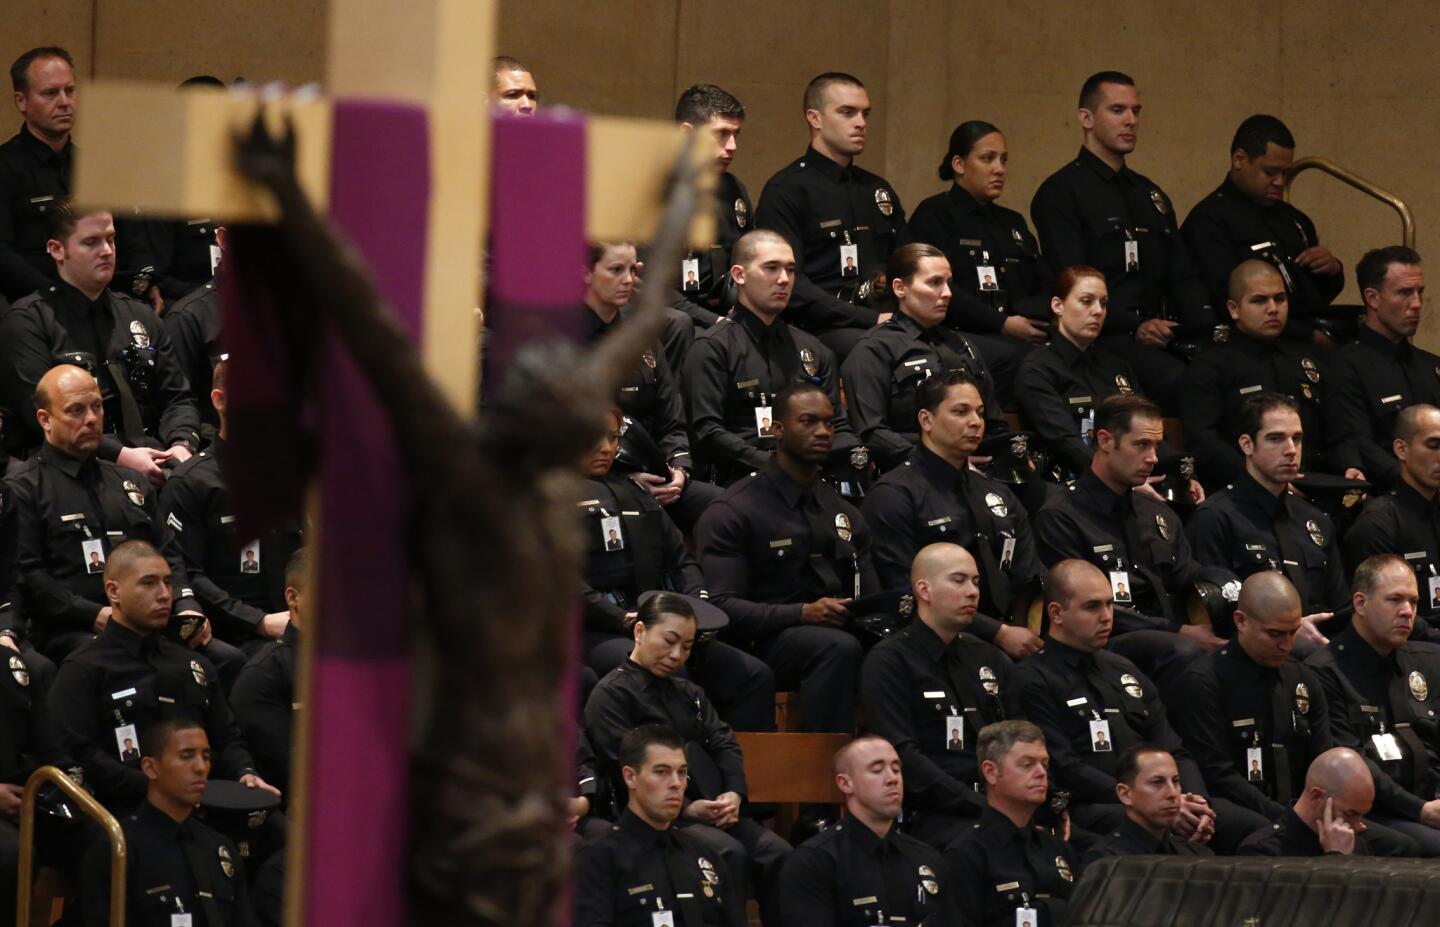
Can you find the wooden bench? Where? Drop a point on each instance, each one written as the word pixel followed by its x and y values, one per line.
pixel 789 770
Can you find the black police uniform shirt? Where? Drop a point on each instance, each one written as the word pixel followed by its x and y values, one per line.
pixel 995 868
pixel 1064 690
pixel 1227 706
pixel 650 396
pixel 850 876
pixel 980 239
pixel 1404 523
pixel 1130 839
pixel 64 509
pixel 627 876
pixel 147 398
pixel 173 255
pixel 1247 529
pixel 121 679
pixel 651 555
pixel 768 546
pixel 1089 213
pixel 883 374
pixel 926 501
pixel 1126 532
pixel 1228 227
pixel 34 178
pixel 1384 708
pixel 714 292
pixel 263 700
pixel 1290 836
pixel 631 695
pixel 1218 382
pixel 1058 387
pixel 1372 379
pixel 29 736
pixel 193 326
pixel 735 370
pixel 195 506
pixel 917 692
pixel 172 868
pixel 820 207
pixel 12 612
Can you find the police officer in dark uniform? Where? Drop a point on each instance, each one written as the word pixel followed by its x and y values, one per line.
pixel 1406 520
pixel 717 113
pixel 1002 291
pixel 151 417
pixel 645 690
pixel 1132 538
pixel 785 555
pixel 179 871
pixel 35 168
pixel 1098 212
pixel 936 496
pixel 736 371
pixel 1247 218
pixel 131 677
pixel 1258 524
pixel 1094 704
pixel 1255 359
pixel 1382 705
pixel 1008 869
pixel 263 697
pixel 1328 818
pixel 929 689
pixel 1060 385
pixel 651 555
pixel 245 603
pixel 885 371
pixel 1380 372
pixel 646 871
pixel 193 325
pixel 1147 782
pixel 864 870
pixel 841 220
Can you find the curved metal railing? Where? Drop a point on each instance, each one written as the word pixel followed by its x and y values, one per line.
pixel 86 803
pixel 1369 188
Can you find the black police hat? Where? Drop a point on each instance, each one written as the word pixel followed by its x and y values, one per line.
pixel 227 795
pixel 709 618
pixel 1009 454
pixel 1332 493
pixel 881 614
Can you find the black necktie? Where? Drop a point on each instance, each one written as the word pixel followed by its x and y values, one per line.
pixel 639 544
pixel 684 880
pixel 1402 718
pixel 997 582
pixel 1290 559
pixel 1134 547
pixel 822 545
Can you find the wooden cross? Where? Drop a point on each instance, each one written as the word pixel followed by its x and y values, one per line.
pixel 406 119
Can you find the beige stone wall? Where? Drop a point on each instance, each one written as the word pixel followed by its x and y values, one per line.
pixel 1363 89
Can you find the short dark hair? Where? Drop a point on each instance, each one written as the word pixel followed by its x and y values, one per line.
pixel 997 740
pixel 815 90
pixel 1407 423
pixel 664 603
pixel 699 103
pixel 597 250
pixel 202 80
pixel 20 70
pixel 1090 90
pixel 933 391
pixel 62 220
pixel 155 739
pixel 1367 574
pixel 1370 272
pixel 1116 414
pixel 1127 766
pixel 297 569
pixel 962 141
pixel 791 390
pixel 1258 132
pixel 1254 409
pixel 506 63
pixel 749 244
pixel 124 554
pixel 638 741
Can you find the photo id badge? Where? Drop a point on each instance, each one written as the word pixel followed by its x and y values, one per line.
pixel 1087 426
pixel 762 422
pixel 1132 256
pixel 662 919
pixel 954 733
pixel 690 274
pixel 214 258
pixel 985 276
pixel 1026 917
pixel 610 531
pixel 93 552
pixel 1387 747
pixel 1007 554
pixel 1434 582
pixel 1254 764
pixel 1120 586
pixel 127 743
pixel 1100 736
pixel 250 558
pixel 181 920
pixel 849 260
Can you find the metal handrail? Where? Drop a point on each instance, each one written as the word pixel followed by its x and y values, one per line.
pixel 94 809
pixel 1369 188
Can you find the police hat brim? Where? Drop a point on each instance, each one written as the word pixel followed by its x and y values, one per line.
pixel 229 795
pixel 1329 485
pixel 879 603
pixel 708 617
